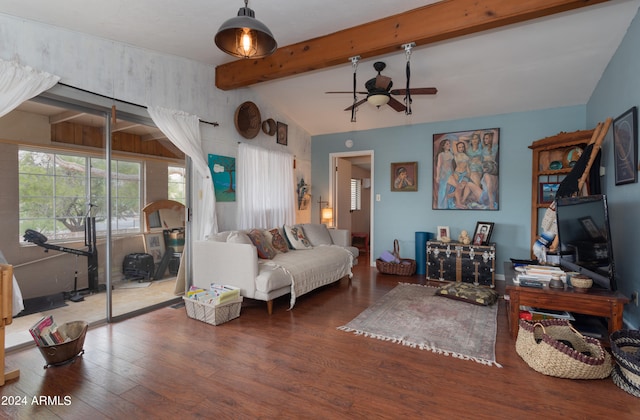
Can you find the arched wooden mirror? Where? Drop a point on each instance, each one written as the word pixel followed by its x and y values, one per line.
pixel 163 214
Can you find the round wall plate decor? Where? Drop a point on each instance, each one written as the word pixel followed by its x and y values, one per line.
pixel 247 120
pixel 555 165
pixel 571 156
pixel 269 127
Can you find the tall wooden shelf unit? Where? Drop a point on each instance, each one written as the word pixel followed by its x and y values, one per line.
pixel 545 151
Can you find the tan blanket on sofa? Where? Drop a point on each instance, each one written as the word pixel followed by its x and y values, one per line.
pixel 310 269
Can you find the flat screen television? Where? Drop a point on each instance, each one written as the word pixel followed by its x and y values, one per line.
pixel 585 238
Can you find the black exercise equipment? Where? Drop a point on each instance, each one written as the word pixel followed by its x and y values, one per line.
pixel 91 253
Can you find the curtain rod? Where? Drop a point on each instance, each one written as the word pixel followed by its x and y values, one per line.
pixel 214 123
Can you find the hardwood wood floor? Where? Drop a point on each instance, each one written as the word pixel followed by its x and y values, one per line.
pixel 292 364
pixel 93 308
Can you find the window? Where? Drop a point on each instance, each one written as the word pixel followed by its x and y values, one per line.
pixel 356 194
pixel 56 190
pixel 177 184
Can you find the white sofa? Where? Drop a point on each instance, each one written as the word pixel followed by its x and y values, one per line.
pixel 232 258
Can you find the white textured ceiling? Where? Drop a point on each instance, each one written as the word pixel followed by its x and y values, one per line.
pixel 549 62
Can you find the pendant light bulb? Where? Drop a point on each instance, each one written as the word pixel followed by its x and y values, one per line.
pixel 245 36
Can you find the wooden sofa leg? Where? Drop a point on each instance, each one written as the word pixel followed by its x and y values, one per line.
pixel 270 307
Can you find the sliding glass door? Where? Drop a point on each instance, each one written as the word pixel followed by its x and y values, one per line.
pixel 82 173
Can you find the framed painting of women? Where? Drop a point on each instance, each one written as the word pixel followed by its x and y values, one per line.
pixel 465 170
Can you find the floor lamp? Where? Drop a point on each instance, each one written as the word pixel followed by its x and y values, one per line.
pixel 326 212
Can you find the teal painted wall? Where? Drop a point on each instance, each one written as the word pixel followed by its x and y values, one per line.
pixel 400 214
pixel 617 91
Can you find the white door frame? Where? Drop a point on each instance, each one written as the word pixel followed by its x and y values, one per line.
pixel 332 190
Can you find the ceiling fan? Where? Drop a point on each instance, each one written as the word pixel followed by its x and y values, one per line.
pixel 379 91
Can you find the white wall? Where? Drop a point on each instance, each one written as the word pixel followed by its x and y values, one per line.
pixel 145 77
pixel 142 77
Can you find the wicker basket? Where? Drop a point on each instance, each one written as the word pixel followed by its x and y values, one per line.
pixel 406 266
pixel 625 346
pixel 212 314
pixel 61 354
pixel 553 347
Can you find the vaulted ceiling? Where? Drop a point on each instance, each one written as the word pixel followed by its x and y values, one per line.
pixel 551 53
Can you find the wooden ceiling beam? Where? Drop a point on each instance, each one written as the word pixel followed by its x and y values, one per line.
pixel 65 116
pixel 124 126
pixel 156 135
pixel 433 23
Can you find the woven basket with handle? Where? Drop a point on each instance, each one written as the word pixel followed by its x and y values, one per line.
pixel 405 266
pixel 625 346
pixel 553 347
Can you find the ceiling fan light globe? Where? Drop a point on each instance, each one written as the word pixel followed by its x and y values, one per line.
pixel 378 100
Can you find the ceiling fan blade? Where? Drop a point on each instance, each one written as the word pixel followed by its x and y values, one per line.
pixel 359 93
pixel 415 91
pixel 357 104
pixel 383 82
pixel 396 104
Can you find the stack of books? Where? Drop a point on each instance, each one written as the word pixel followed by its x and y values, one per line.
pixel 218 294
pixel 45 332
pixel 531 275
pixel 536 314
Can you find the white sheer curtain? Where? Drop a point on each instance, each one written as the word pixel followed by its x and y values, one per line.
pixel 265 188
pixel 19 83
pixel 184 131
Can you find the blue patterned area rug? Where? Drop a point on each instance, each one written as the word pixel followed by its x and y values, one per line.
pixel 412 315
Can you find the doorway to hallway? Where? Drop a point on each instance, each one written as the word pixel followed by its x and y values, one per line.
pixel 351 182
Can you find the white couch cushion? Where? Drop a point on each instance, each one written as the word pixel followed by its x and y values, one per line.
pixel 220 236
pixel 271 278
pixel 317 234
pixel 238 237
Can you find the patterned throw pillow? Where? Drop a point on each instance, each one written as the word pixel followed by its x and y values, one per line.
pixel 278 242
pixel 265 249
pixel 297 239
pixel 478 295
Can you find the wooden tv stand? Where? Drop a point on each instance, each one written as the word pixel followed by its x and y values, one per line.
pixel 593 302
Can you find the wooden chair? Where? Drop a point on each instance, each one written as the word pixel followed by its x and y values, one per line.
pixel 6 317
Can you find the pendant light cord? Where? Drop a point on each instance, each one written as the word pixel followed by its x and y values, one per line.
pixel 407 98
pixel 354 63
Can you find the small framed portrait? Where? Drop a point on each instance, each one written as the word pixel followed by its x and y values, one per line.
pixel 443 232
pixel 625 147
pixel 154 245
pixel 548 192
pixel 283 133
pixel 404 176
pixel 482 234
pixel 589 225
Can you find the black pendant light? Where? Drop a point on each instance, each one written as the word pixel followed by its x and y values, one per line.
pixel 245 36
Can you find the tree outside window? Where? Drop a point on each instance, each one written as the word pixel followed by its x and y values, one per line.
pixel 56 190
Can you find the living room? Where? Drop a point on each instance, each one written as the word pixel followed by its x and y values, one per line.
pixel 518 130
pixel 613 95
pixel 397 215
